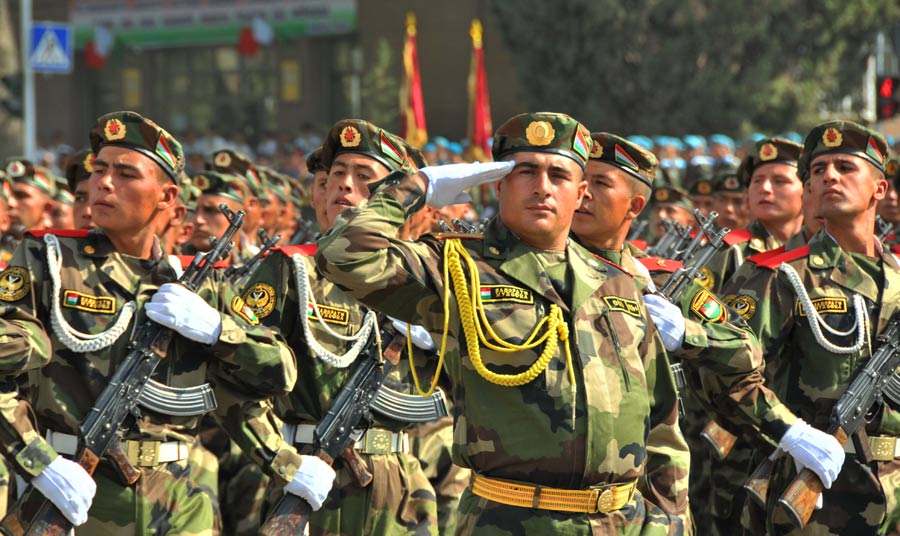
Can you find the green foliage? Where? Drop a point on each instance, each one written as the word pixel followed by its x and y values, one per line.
pixel 657 66
pixel 380 87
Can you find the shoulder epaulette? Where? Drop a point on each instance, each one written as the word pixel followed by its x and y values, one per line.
pixel 774 261
pixel 890 238
pixel 639 243
pixel 614 265
pixel 65 233
pixel 467 236
pixel 738 236
pixel 657 264
pixel 306 249
pixel 186 261
pixel 761 257
pixel 895 249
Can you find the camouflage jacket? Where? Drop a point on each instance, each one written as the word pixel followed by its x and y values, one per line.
pixel 248 364
pixel 742 243
pixel 626 407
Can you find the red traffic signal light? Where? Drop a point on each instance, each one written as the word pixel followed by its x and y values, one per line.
pixel 888 90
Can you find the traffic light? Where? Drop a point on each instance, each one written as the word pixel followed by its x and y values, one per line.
pixel 888 91
pixel 13 100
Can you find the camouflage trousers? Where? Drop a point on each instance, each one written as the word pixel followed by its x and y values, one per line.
pixel 242 489
pixel 399 501
pixel 7 486
pixel 431 443
pixel 481 517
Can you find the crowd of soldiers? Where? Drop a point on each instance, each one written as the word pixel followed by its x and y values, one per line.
pixel 584 372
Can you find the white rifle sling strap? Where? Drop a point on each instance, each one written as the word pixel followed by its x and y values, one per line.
pixel 306 297
pixel 69 336
pixel 861 324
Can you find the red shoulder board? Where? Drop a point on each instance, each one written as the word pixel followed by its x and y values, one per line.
pixel 186 261
pixel 738 236
pixel 761 257
pixel 772 262
pixel 306 249
pixel 890 238
pixel 611 263
pixel 895 249
pixel 639 243
pixel 65 233
pixel 469 236
pixel 656 264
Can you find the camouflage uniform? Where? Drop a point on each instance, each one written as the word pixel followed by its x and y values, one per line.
pixel 625 414
pixel 742 243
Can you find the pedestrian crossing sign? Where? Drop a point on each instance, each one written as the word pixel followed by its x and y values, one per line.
pixel 50 50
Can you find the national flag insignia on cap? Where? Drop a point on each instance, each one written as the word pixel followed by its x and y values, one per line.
pixel 252 177
pixel 873 152
pixel 350 137
pixel 201 181
pixel 162 149
pixel 579 144
pixel 15 169
pixel 704 188
pixel 114 129
pixel 388 148
pixel 623 158
pixel 661 195
pixel 222 159
pixel 832 137
pixel 768 152
pixel 88 163
pixel 596 150
pixel 7 190
pixel 540 133
pixel 42 181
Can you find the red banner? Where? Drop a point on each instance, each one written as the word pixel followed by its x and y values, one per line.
pixel 412 106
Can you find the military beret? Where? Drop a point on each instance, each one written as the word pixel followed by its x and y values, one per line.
pixel 63 193
pixel 277 183
pixel 641 141
pixel 362 137
pixel 188 193
pixel 725 179
pixel 20 170
pixel 791 135
pixel 135 132
pixel 694 141
pixel 844 137
pixel 630 157
pixel 78 167
pixel 755 137
pixel 700 171
pixel 892 168
pixel 673 195
pixel 314 161
pixel 721 139
pixel 237 163
pixel 543 132
pixel 227 185
pixel 768 151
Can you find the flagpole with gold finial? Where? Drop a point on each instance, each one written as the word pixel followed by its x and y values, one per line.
pixel 412 105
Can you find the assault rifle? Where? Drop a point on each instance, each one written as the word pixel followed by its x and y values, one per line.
pixel 349 411
pixel 695 256
pixel 238 274
pixel 100 433
pixel 883 229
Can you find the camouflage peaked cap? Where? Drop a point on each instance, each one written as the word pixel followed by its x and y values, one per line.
pixel 314 161
pixel 625 155
pixel 843 137
pixel 543 132
pixel 769 151
pixel 275 182
pixel 135 132
pixel 673 195
pixel 227 185
pixel 63 193
pixel 188 193
pixel 79 167
pixel 726 180
pixel 362 137
pixel 237 163
pixel 20 170
pixel 892 168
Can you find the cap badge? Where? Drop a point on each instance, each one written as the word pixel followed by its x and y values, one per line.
pixel 201 181
pixel 540 133
pixel 350 137
pixel 892 167
pixel 596 150
pixel 731 183
pixel 88 162
pixel 15 169
pixel 114 129
pixel 768 152
pixel 661 195
pixel 222 159
pixel 832 137
pixel 704 188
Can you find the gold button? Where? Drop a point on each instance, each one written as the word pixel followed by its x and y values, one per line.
pixel 494 250
pixel 89 249
pixel 756 242
pixel 282 469
pixel 27 463
pixel 818 261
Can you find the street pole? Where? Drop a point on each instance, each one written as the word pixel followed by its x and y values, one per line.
pixel 28 113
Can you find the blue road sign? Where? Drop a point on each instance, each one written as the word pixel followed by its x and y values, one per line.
pixel 50 49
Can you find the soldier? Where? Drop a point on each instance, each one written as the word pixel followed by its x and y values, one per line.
pixel 889 207
pixel 209 222
pixel 234 162
pixel 33 188
pixel 674 204
pixel 317 186
pixel 702 190
pixel 7 202
pixel 817 310
pixel 89 289
pixel 62 216
pixel 78 169
pixel 565 428
pixel 730 198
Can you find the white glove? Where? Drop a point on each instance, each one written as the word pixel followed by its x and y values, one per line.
pixel 447 184
pixel 67 485
pixel 312 481
pixel 668 319
pixel 418 334
pixel 177 308
pixel 814 449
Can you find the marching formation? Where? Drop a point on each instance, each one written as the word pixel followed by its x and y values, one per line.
pixel 632 340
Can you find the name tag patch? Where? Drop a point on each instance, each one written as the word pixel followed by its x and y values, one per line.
pixel 334 315
pixel 623 305
pixel 105 305
pixel 506 293
pixel 707 306
pixel 15 283
pixel 836 305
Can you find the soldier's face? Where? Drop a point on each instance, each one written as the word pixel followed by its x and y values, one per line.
pixel 32 207
pixel 668 211
pixel 812 220
pixel 607 207
pixel 62 216
pixel 128 191
pixel 348 181
pixel 845 185
pixel 209 220
pixel 775 194
pixel 539 197
pixel 889 207
pixel 704 203
pixel 81 211
pixel 732 209
pixel 317 197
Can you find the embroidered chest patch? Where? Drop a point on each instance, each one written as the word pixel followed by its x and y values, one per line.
pixel 505 293
pixel 240 308
pixel 14 283
pixel 261 298
pixel 744 305
pixel 836 305
pixel 707 306
pixel 105 305
pixel 334 315
pixel 623 305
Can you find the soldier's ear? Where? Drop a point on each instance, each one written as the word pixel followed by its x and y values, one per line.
pixel 881 187
pixel 168 196
pixel 636 206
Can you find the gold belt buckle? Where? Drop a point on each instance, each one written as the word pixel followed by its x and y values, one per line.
pixel 143 453
pixel 606 501
pixel 377 441
pixel 882 447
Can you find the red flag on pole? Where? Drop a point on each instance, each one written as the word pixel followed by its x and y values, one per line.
pixel 480 127
pixel 412 106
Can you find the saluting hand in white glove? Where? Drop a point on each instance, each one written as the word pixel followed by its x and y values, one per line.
pixel 447 184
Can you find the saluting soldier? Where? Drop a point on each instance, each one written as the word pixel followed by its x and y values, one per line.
pixel 565 408
pixel 817 310
pixel 90 289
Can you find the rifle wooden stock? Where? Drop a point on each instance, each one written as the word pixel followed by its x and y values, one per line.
pixel 799 499
pixel 757 486
pixel 720 440
pixel 291 514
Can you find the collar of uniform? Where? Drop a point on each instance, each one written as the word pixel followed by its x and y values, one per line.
pixel 498 239
pixel 826 253
pixel 97 245
pixel 761 240
pixel 589 273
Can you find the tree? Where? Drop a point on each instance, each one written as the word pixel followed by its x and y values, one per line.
pixel 380 87
pixel 657 66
